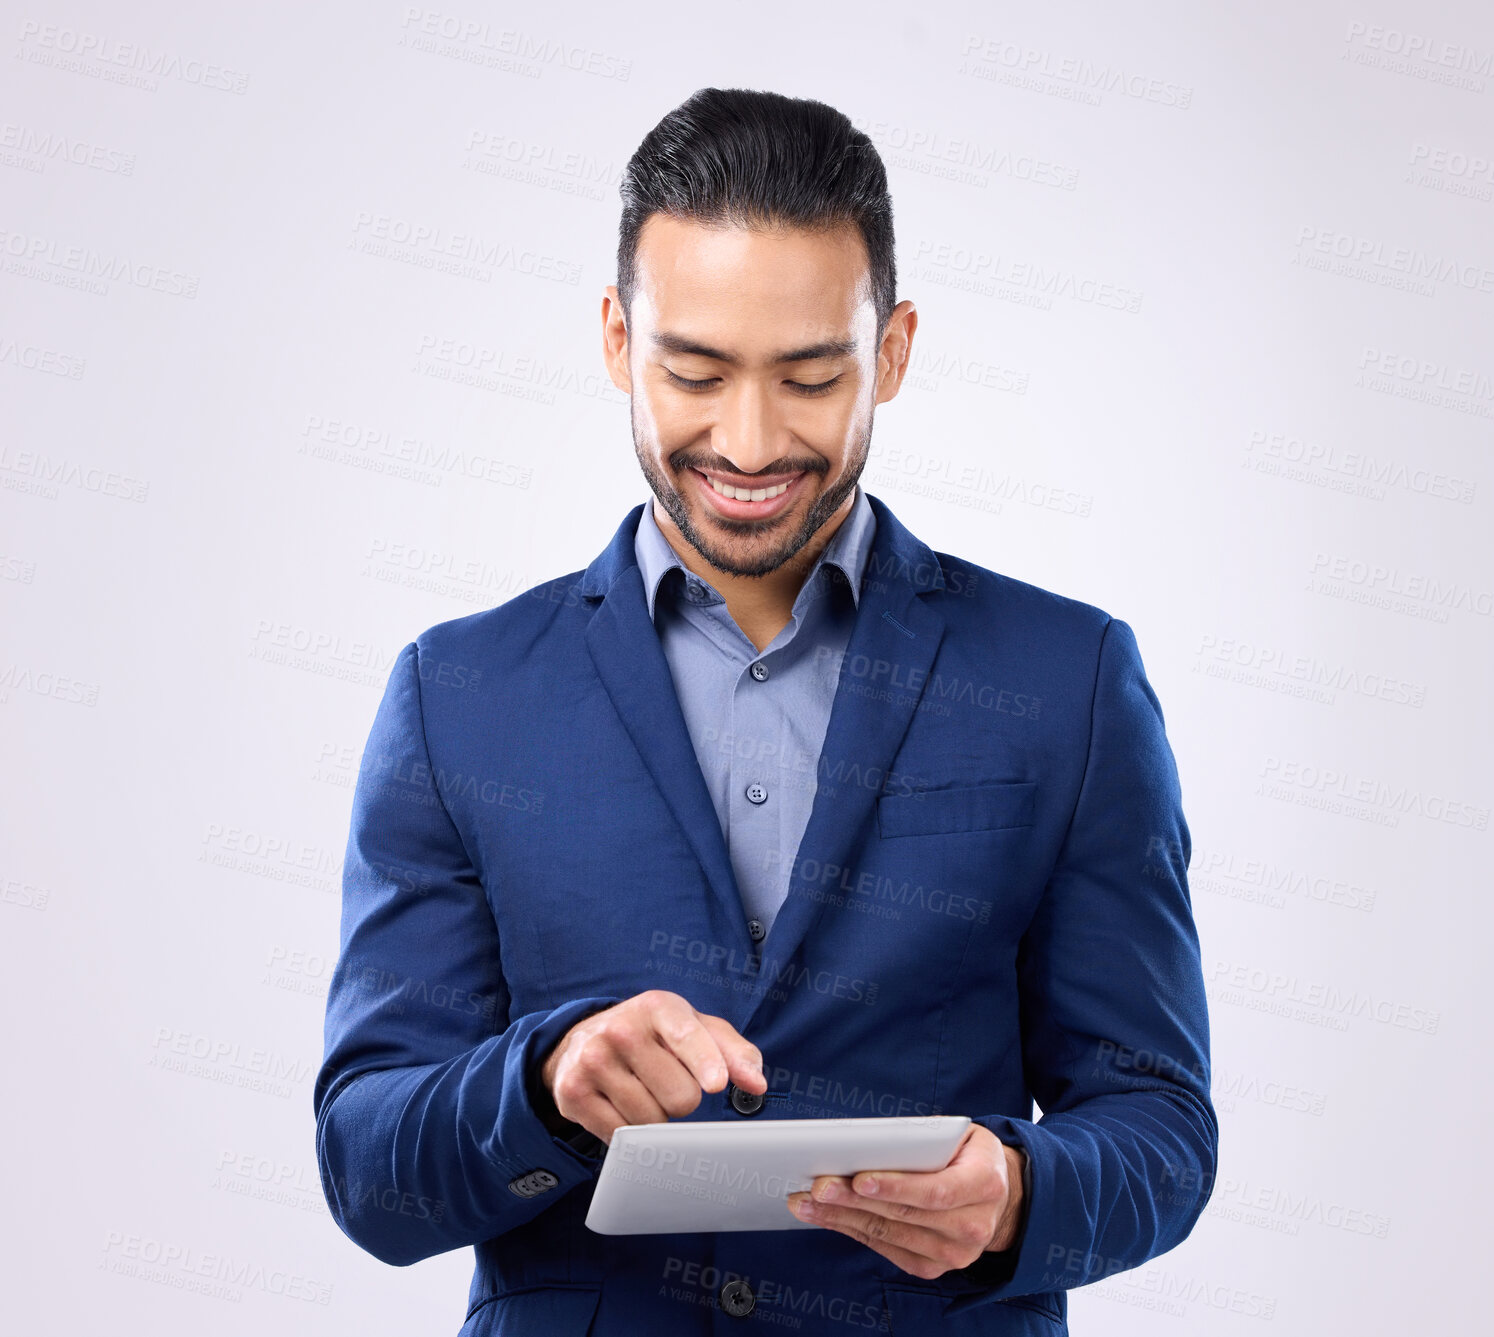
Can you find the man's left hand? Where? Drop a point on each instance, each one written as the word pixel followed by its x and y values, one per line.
pixel 928 1222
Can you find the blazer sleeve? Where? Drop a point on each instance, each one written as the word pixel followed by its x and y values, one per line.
pixel 426 1138
pixel 1114 1022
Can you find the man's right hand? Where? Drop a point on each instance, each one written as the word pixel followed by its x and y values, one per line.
pixel 646 1060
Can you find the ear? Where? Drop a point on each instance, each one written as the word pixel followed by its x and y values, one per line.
pixel 615 340
pixel 896 350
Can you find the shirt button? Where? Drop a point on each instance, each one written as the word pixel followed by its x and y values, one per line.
pixel 759 671
pixel 756 930
pixel 737 1298
pixel 756 793
pixel 745 1102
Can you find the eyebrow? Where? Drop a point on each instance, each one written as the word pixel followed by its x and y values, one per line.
pixel 678 343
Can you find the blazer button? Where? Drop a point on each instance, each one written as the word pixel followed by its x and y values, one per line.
pixel 756 930
pixel 532 1184
pixel 744 1102
pixel 737 1299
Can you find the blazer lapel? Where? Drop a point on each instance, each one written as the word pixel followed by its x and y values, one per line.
pixel 892 647
pixel 630 662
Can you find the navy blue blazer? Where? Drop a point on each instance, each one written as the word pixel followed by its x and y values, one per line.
pixel 989 909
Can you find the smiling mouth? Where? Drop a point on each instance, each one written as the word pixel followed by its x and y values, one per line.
pixel 746 494
pixel 769 499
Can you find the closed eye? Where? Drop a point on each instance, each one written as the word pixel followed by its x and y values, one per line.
pixel 689 385
pixel 817 388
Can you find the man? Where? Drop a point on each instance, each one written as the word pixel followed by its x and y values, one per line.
pixel 770 812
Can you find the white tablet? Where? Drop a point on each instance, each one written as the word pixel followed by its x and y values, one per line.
pixel 736 1175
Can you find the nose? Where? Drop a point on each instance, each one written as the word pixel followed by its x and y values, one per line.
pixel 750 432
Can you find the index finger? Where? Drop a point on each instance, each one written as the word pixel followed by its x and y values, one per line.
pixel 689 1036
pixel 743 1058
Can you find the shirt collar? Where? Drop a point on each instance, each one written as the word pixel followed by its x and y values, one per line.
pixel 847 550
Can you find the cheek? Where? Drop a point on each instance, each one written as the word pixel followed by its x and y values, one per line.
pixel 645 417
pixel 839 431
pixel 856 407
pixel 834 420
pixel 670 419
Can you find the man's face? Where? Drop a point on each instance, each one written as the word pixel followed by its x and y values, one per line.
pixel 751 359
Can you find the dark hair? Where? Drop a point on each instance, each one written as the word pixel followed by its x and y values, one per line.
pixel 746 158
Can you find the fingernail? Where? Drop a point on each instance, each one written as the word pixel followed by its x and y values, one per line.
pixel 867 1186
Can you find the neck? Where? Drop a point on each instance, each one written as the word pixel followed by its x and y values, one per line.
pixel 760 605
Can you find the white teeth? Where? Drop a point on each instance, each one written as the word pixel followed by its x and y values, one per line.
pixel 743 494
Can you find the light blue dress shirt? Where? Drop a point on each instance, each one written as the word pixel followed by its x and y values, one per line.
pixel 758 721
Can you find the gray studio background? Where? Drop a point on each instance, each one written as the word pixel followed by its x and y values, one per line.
pixel 300 354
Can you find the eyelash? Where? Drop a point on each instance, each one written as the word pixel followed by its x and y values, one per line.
pixel 821 388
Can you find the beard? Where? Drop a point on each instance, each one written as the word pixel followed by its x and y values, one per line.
pixel 715 545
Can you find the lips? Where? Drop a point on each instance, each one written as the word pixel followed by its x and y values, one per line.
pixel 732 509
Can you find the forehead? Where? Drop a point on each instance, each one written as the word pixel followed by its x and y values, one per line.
pixel 751 289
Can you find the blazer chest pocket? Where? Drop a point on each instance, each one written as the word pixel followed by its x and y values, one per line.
pixel 969 808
